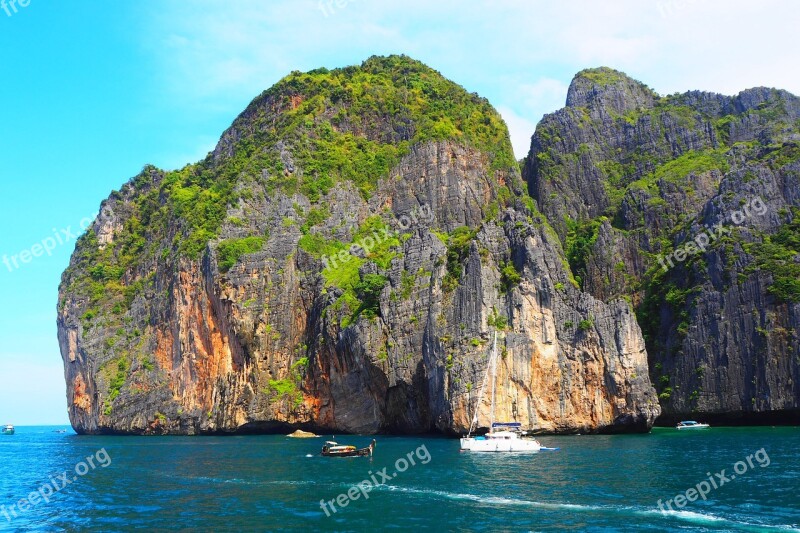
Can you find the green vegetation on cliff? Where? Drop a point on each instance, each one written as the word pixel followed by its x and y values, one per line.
pixel 458 244
pixel 354 124
pixel 232 249
pixel 307 133
pixel 779 255
pixel 602 76
pixel 372 241
pixel 578 246
pixel 389 102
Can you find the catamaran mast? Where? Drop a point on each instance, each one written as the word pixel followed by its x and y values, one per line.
pixel 482 391
pixel 494 381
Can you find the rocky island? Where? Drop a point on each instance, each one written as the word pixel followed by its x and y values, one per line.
pixel 342 259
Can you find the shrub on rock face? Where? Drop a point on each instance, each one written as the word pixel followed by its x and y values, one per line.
pixel 230 251
pixel 509 277
pixel 369 291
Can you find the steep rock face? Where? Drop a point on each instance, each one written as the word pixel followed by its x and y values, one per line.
pixel 730 334
pixel 342 261
pixel 613 132
pixel 628 179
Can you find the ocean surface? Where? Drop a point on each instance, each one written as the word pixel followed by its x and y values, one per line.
pixel 260 483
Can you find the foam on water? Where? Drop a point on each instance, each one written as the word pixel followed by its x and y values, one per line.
pixel 685 516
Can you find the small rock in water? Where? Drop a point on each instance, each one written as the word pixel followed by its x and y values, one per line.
pixel 300 434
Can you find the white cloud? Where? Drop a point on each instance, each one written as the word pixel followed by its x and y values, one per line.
pixel 520 130
pixel 551 92
pixel 528 105
pixel 521 54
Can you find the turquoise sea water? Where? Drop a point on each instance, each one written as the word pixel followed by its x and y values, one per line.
pixel 256 483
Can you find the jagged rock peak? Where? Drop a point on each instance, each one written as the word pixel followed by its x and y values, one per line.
pixel 757 98
pixel 607 88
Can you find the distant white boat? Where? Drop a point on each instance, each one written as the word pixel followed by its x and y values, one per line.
pixel 502 436
pixel 7 430
pixel 691 424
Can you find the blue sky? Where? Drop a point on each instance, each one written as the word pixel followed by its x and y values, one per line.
pixel 91 91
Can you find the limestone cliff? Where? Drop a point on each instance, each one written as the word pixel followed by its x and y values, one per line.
pixel 341 262
pixel 688 205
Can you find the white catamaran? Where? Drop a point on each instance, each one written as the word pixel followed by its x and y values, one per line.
pixel 502 436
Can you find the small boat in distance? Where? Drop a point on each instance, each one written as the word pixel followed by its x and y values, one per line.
pixel 332 449
pixel 691 424
pixel 7 430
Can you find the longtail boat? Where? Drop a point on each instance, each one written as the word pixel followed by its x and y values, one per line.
pixel 333 449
